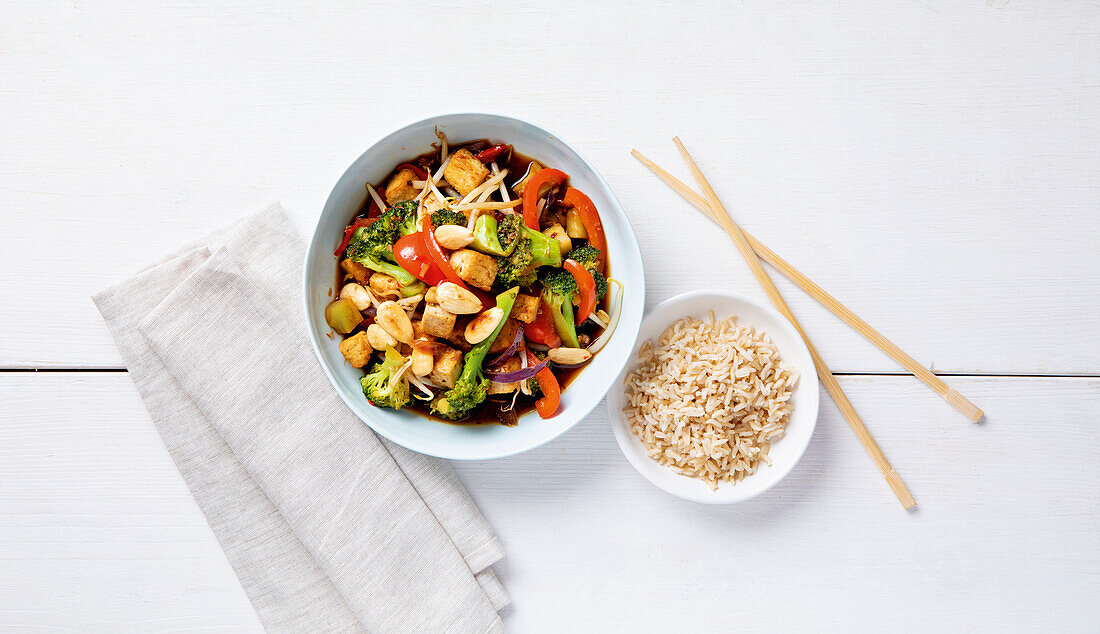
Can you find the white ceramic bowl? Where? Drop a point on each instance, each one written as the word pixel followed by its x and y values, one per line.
pixel 477 442
pixel 784 453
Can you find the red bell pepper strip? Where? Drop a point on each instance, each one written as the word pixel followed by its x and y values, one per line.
pixel 359 222
pixel 420 173
pixel 586 287
pixel 590 218
pixel 546 406
pixel 436 252
pixel 491 153
pixel 487 300
pixel 373 210
pixel 541 330
pixel 531 193
pixel 411 254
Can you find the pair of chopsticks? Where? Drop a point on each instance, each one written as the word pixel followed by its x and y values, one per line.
pixel 753 251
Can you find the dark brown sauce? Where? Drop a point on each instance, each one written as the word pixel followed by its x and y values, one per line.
pixel 524 403
pixel 517 165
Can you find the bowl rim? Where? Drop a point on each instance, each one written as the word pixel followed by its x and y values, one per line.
pixel 615 203
pixel 728 494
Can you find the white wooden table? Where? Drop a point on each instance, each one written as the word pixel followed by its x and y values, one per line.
pixel 933 164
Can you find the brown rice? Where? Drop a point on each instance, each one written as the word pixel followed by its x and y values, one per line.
pixel 709 398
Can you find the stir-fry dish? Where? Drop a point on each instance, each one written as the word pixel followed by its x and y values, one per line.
pixel 473 285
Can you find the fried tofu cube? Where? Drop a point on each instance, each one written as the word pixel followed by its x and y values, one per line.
pixel 357 271
pixel 475 268
pixel 420 333
pixel 356 350
pixel 400 187
pixel 447 368
pixel 526 308
pixel 511 365
pixel 505 336
pixel 437 321
pixel 457 337
pixel 464 172
pixel 383 284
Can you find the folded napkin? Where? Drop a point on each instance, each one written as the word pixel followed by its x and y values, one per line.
pixel 327 527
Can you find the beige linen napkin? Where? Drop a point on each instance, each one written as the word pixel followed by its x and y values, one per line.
pixel 327 529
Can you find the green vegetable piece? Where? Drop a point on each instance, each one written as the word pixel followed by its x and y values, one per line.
pixel 533 249
pixel 516 269
pixel 376 384
pixel 558 289
pixel 402 217
pixel 586 255
pixel 447 217
pixel 485 236
pixel 472 387
pixel 389 268
pixel 372 246
pixel 375 241
pixel 601 285
pixel 545 250
pixel 342 316
pixel 495 238
pixel 413 289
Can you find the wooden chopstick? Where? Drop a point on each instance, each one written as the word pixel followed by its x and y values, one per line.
pixel 949 394
pixel 823 372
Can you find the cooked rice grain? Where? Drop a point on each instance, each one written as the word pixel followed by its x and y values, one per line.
pixel 710 398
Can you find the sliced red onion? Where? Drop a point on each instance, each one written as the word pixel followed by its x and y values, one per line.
pixel 510 352
pixel 518 375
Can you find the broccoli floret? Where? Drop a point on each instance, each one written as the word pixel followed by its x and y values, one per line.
pixel 508 230
pixel 447 217
pixel 376 385
pixel 472 387
pixel 403 218
pixel 404 209
pixel 403 277
pixel 601 284
pixel 533 250
pixel 495 238
pixel 558 289
pixel 441 407
pixel 374 241
pixel 601 289
pixel 536 389
pixel 586 255
pixel 467 394
pixel 516 269
pixel 372 246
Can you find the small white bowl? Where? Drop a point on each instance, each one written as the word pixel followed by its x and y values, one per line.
pixel 472 442
pixel 784 453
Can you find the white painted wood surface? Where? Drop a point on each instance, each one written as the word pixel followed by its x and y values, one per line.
pixel 932 164
pixel 98 531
